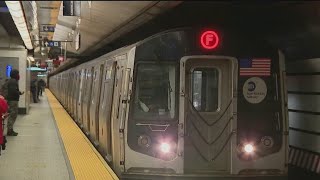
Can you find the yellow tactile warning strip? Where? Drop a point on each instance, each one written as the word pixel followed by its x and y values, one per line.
pixel 85 160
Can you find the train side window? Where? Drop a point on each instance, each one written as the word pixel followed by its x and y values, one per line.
pixel 205 90
pixel 107 76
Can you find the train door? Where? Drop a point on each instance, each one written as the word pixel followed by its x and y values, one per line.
pixel 66 82
pixel 69 91
pixel 206 113
pixel 119 111
pixel 65 79
pixel 60 87
pixel 106 99
pixel 94 107
pixel 76 95
pixel 66 91
pixel 85 101
pixel 87 98
pixel 71 94
pixel 82 74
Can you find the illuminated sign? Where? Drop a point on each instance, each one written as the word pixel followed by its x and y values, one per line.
pixel 209 40
pixel 52 44
pixel 48 28
pixel 36 69
pixel 8 70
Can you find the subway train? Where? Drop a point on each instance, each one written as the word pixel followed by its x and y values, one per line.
pixel 185 103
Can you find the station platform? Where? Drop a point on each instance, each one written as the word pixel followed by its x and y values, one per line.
pixel 51 146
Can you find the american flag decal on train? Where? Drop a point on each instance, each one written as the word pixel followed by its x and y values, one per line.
pixel 255 67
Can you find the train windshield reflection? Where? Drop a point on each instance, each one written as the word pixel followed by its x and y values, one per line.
pixel 155 92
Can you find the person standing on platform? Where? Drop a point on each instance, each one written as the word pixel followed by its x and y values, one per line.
pixel 13 100
pixel 42 86
pixel 38 89
pixel 33 88
pixel 3 115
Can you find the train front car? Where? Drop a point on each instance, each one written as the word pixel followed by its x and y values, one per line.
pixel 207 103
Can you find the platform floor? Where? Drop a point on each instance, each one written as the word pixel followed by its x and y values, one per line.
pixel 51 146
pixel 36 153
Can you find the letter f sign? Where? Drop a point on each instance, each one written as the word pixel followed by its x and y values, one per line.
pixel 209 39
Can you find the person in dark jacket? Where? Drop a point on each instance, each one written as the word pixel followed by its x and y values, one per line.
pixel 41 86
pixel 33 88
pixel 13 99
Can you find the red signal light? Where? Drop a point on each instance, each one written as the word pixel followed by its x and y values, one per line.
pixel 209 40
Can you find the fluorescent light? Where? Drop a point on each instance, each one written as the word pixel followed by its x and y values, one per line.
pixel 17 15
pixel 36 69
pixel 35 26
pixel 35 15
pixel 31 58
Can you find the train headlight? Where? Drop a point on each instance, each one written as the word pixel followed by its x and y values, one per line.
pixel 165 147
pixel 248 148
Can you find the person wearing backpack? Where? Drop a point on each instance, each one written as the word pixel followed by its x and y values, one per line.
pixel 13 99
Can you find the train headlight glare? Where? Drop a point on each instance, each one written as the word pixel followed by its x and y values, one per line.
pixel 249 148
pixel 165 147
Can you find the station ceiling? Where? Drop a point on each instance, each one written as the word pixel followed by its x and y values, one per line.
pixel 100 23
pixel 293 27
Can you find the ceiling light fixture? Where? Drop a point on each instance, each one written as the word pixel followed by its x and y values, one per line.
pixel 35 25
pixel 17 15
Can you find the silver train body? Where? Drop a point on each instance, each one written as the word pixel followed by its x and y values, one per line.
pixel 173 105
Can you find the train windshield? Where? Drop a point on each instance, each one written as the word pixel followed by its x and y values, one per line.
pixel 155 92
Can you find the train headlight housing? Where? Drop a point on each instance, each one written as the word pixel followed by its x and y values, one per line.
pixel 267 142
pixel 144 141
